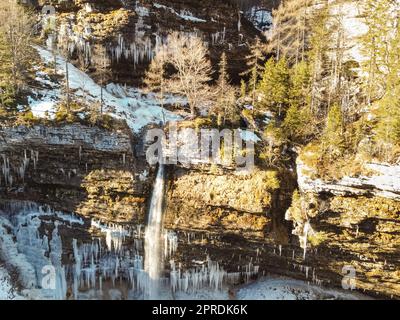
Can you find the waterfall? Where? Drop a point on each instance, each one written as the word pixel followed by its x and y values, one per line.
pixel 153 236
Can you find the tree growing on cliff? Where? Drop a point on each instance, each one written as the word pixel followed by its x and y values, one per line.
pixel 333 135
pixel 275 85
pixel 188 56
pixel 318 56
pixel 289 34
pixel 102 62
pixel 155 79
pixel 225 106
pixel 65 46
pixel 254 62
pixel 16 31
pixel 298 123
pixel 381 46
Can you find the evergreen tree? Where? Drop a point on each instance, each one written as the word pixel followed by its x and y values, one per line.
pixel 318 56
pixel 298 123
pixel 226 107
pixel 243 88
pixel 333 136
pixel 254 63
pixel 275 85
pixel 381 45
pixel 376 45
pixel 300 77
pixel 288 36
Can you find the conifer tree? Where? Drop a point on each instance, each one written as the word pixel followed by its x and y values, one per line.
pixel 275 85
pixel 254 63
pixel 318 56
pixel 381 45
pixel 298 123
pixel 300 84
pixel 333 136
pixel 226 107
pixel 243 88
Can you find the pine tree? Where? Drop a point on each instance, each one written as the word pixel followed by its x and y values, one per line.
pixel 376 44
pixel 318 56
pixel 333 136
pixel 300 77
pixel 64 46
pixel 226 107
pixel 254 63
pixel 298 123
pixel 381 46
pixel 275 85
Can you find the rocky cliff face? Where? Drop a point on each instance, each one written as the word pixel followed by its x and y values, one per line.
pixel 87 170
pixel 129 32
pixel 231 218
pixel 225 202
pixel 352 223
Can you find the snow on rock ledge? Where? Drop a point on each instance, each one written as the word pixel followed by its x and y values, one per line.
pixel 67 135
pixel 385 183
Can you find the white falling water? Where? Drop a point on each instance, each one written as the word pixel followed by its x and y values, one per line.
pixel 153 243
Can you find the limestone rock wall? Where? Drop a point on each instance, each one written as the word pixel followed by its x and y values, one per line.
pixel 75 168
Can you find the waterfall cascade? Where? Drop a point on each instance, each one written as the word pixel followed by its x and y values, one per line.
pixel 153 237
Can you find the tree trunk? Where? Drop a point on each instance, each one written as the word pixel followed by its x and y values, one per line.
pixel 67 84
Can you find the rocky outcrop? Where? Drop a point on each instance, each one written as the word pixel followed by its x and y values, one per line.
pixel 227 202
pixel 351 224
pixel 130 31
pixel 75 168
pixel 383 181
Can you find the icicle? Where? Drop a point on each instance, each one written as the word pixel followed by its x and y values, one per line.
pixel 306 230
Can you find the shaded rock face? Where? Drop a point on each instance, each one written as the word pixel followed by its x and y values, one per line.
pixel 130 31
pixel 75 168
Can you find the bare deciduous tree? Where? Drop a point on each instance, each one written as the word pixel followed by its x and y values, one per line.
pixel 155 78
pixel 188 55
pixel 102 62
pixel 16 30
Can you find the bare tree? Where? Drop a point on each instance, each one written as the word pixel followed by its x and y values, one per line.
pixel 65 47
pixel 155 79
pixel 16 30
pixel 188 55
pixel 102 62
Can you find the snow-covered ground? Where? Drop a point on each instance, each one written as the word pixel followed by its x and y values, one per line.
pixel 131 104
pixel 184 14
pixel 277 288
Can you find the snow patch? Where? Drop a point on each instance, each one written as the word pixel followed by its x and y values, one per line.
pixel 131 105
